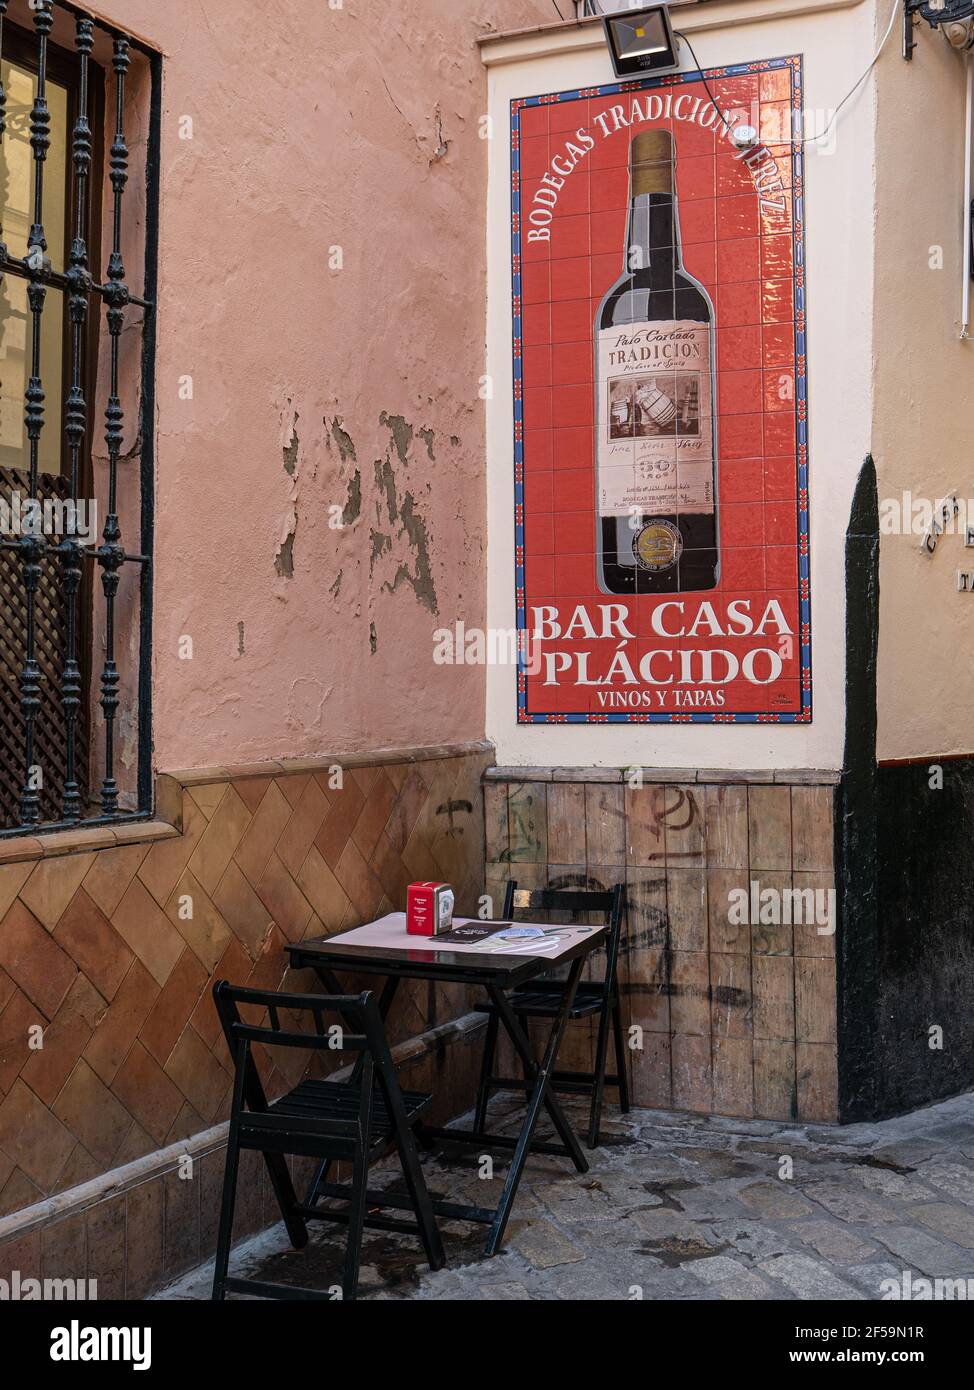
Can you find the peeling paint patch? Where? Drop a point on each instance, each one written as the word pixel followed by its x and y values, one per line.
pixel 305 702
pixel 385 481
pixel 421 581
pixel 291 449
pixel 337 586
pixel 401 431
pixel 284 560
pixel 442 145
pixel 455 440
pixel 411 524
pixel 346 448
pixel 380 544
pixel 373 639
pixel 240 639
pixel 353 503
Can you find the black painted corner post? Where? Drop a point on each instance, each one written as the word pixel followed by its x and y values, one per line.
pixel 855 824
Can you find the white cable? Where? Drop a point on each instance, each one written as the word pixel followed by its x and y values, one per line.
pixel 897 4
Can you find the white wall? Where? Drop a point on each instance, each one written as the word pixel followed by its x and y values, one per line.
pixel 836 38
pixel 924 402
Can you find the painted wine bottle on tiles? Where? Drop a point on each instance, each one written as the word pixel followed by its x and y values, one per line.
pixel 656 444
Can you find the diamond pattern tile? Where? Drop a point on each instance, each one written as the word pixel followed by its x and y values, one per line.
pixel 108 958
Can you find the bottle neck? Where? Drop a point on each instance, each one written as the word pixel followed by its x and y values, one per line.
pixel 654 237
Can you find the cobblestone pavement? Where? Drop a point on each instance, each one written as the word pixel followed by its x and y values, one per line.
pixel 682 1207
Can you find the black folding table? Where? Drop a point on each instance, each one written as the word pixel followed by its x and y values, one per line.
pixel 497 972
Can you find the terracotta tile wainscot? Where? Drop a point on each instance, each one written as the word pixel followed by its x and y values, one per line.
pixel 110 942
pixel 734 1018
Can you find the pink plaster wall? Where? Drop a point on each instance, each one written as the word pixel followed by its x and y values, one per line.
pixel 315 127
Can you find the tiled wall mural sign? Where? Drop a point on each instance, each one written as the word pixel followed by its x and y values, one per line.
pixel 660 404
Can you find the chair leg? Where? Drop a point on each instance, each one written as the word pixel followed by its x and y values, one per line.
pixel 225 1233
pixel 422 1205
pixel 525 1069
pixel 601 1047
pixel 541 1098
pixel 486 1070
pixel 411 1168
pixel 287 1200
pixel 356 1224
pixel 320 1176
pixel 622 1068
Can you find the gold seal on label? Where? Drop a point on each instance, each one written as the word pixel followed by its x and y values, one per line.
pixel 658 546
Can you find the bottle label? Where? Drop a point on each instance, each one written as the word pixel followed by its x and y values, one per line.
pixel 655 425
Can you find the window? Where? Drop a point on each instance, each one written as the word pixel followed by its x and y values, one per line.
pixel 76 405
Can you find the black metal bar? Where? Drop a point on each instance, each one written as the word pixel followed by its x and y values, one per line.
pixel 3 131
pixel 609 1001
pixel 93 822
pixel 621 1078
pixel 487 1139
pixel 229 1195
pixel 332 986
pixel 456 1211
pixel 54 279
pixel 418 970
pixel 341 1218
pixel 574 1082
pixel 147 433
pixel 81 291
pixel 76 423
pixel 40 143
pixel 3 95
pixel 110 552
pixel 355 1211
pixel 31 543
pixel 910 8
pixel 486 1068
pixel 405 1140
pixel 540 1097
pixel 51 552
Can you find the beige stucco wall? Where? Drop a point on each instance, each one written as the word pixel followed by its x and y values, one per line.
pixel 924 401
pixel 837 39
pixel 316 127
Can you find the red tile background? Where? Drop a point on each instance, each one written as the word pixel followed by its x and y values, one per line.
pixel 745 258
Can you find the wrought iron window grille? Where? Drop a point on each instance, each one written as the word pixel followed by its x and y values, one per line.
pixel 49 583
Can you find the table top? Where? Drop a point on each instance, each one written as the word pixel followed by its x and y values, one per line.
pixel 385 947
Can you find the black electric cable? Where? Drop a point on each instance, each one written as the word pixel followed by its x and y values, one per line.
pixel 678 33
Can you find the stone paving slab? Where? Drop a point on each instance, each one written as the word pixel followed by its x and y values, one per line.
pixel 679 1208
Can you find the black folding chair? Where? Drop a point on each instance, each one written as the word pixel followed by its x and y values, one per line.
pixel 542 999
pixel 355 1121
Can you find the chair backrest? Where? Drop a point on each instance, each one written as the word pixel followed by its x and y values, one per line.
pixel 360 1032
pixel 609 903
pixel 357 1010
